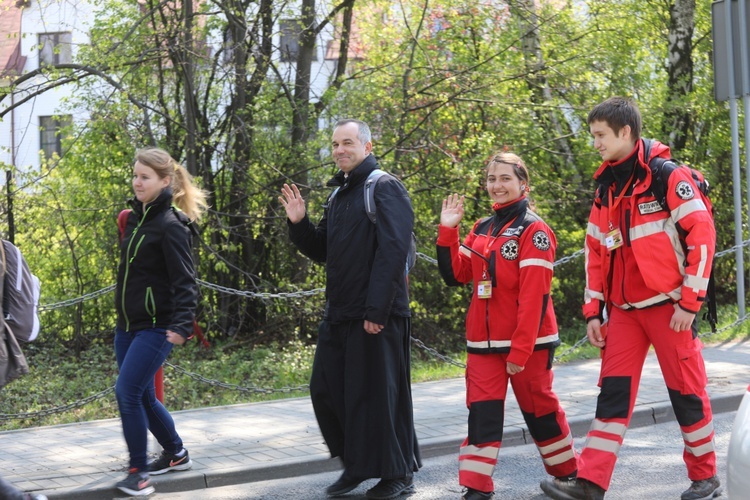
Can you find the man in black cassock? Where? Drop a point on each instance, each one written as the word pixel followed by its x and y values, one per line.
pixel 361 380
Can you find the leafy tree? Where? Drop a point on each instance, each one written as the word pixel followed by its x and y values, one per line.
pixel 443 83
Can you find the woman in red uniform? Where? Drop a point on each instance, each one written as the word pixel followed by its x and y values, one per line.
pixel 511 330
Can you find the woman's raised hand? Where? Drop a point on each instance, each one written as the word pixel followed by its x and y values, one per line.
pixel 453 210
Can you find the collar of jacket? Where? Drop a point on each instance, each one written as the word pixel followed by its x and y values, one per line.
pixel 164 200
pixel 357 176
pixel 508 212
pixel 605 175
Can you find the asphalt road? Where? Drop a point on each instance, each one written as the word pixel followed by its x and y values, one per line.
pixel 650 466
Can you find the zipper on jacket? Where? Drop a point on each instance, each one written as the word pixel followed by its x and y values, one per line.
pixel 128 261
pixel 487 308
pixel 487 323
pixel 626 242
pixel 137 247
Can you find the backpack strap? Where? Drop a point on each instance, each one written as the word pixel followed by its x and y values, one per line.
pixel 371 209
pixel 661 169
pixel 369 193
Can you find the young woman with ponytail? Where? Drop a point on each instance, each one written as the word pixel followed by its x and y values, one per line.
pixel 156 297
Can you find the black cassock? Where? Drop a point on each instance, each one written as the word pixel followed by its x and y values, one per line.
pixel 361 394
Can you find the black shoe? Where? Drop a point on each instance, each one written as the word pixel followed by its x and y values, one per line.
pixel 137 484
pixel 703 490
pixel 391 488
pixel 343 485
pixel 472 494
pixel 575 489
pixel 168 461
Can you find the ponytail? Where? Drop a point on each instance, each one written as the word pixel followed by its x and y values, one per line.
pixel 186 195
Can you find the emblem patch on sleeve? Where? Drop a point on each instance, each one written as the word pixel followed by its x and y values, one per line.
pixel 509 250
pixel 684 190
pixel 541 240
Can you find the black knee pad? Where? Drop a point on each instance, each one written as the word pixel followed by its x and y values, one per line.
pixel 688 408
pixel 614 398
pixel 486 421
pixel 544 427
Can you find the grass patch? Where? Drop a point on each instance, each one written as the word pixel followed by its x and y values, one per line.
pixel 226 374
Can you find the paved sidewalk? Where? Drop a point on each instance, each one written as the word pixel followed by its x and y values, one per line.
pixel 259 441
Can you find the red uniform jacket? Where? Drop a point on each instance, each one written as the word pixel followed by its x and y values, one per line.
pixel 673 248
pixel 517 259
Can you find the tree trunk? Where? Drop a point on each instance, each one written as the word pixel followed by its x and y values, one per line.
pixel 531 46
pixel 677 121
pixel 305 52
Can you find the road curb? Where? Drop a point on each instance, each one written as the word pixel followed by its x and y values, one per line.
pixel 433 447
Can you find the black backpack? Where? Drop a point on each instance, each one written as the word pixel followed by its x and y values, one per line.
pixel 369 194
pixel 661 169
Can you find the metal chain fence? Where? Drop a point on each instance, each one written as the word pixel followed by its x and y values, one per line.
pixel 58 409
pixel 297 294
pixel 246 389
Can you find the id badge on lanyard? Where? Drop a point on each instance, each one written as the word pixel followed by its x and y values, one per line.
pixel 484 287
pixel 613 239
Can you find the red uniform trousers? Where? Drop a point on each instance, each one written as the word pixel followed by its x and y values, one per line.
pixel 486 388
pixel 629 335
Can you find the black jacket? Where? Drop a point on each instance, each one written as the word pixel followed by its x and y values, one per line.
pixel 365 262
pixel 156 285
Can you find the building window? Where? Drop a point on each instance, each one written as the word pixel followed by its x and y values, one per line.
pixel 55 48
pixel 289 40
pixel 50 134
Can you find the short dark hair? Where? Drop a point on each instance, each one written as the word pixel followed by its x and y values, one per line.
pixel 364 135
pixel 618 112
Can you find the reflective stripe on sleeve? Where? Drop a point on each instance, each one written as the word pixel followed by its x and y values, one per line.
pixel 596 233
pixel 590 295
pixel 687 208
pixel 697 283
pixel 536 262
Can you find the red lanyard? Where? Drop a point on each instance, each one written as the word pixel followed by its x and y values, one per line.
pixel 490 240
pixel 613 205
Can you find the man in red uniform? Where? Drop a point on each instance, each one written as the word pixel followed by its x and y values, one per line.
pixel 647 271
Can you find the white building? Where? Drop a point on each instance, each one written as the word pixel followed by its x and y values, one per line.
pixel 35 33
pixel 38 32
